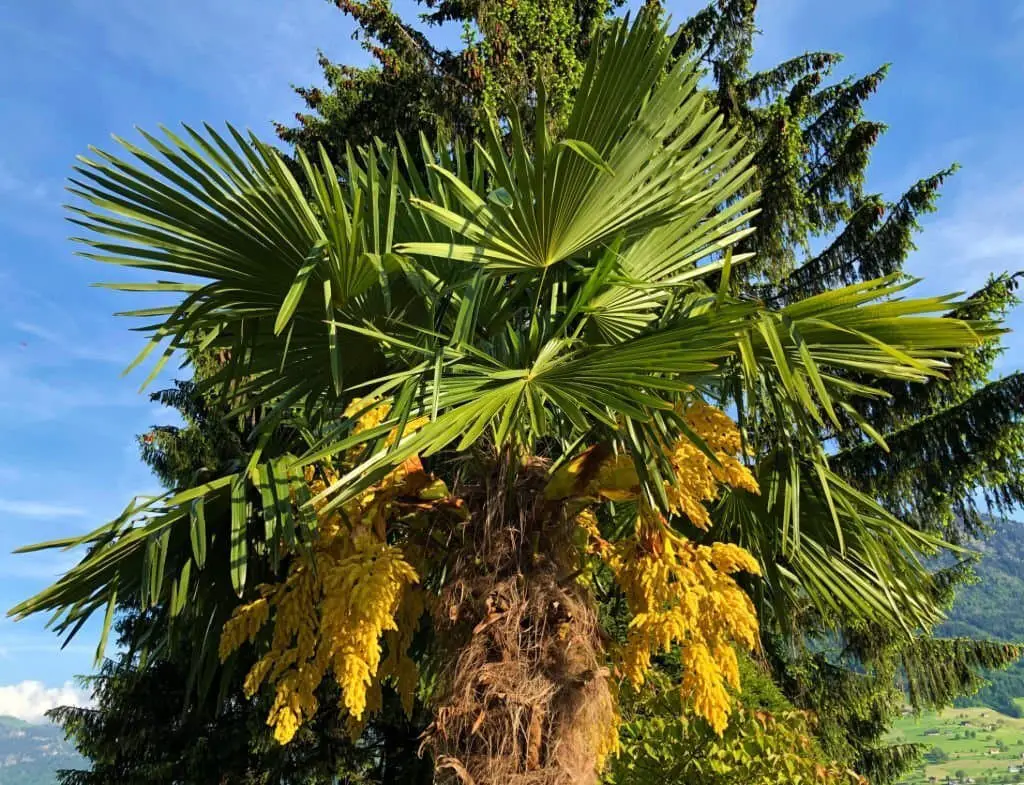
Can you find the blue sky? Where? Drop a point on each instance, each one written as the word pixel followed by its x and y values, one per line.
pixel 70 78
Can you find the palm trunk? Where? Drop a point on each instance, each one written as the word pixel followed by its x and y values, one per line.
pixel 525 697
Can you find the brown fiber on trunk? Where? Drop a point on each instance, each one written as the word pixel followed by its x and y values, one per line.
pixel 535 739
pixel 525 698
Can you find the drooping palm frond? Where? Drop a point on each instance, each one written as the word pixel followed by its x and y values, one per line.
pixel 819 540
pixel 520 294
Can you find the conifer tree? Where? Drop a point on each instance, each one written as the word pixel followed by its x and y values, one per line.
pixel 416 86
pixel 950 442
pixel 811 142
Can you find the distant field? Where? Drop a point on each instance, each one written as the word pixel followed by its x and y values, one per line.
pixel 979 742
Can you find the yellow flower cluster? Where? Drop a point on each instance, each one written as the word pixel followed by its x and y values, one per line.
pixel 714 426
pixel 681 593
pixel 343 598
pixel 330 614
pixel 399 667
pixel 243 627
pixel 608 741
pixel 696 477
pixel 371 413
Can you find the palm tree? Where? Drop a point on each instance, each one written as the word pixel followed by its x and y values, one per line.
pixel 508 369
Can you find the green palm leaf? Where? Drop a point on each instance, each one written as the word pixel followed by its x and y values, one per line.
pixel 521 293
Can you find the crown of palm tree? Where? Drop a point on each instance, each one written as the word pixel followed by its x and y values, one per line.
pixel 542 294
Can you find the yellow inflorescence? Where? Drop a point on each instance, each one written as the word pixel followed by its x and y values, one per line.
pixel 330 614
pixel 244 626
pixel 680 593
pixel 608 741
pixel 340 599
pixel 697 478
pixel 371 414
pixel 351 595
pixel 399 667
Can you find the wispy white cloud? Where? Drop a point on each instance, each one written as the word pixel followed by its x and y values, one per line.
pixel 27 508
pixel 32 399
pixel 38 332
pixel 30 700
pixel 20 188
pixel 241 55
pixel 28 205
pixel 38 567
pixel 50 373
pixel 791 27
pixel 977 232
pixel 18 644
pixel 78 350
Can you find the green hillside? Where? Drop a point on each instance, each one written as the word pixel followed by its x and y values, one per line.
pixel 981 742
pixel 967 745
pixel 994 608
pixel 32 754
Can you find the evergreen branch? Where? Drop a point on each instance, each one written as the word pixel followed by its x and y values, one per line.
pixel 933 466
pixel 769 84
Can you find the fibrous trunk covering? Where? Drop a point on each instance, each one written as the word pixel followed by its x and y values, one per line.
pixel 526 697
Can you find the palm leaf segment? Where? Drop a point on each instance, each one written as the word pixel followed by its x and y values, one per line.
pixel 547 291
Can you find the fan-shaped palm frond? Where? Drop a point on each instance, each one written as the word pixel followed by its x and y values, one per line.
pixel 521 293
pixel 822 541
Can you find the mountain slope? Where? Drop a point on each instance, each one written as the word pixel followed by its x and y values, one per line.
pixel 32 754
pixel 993 608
